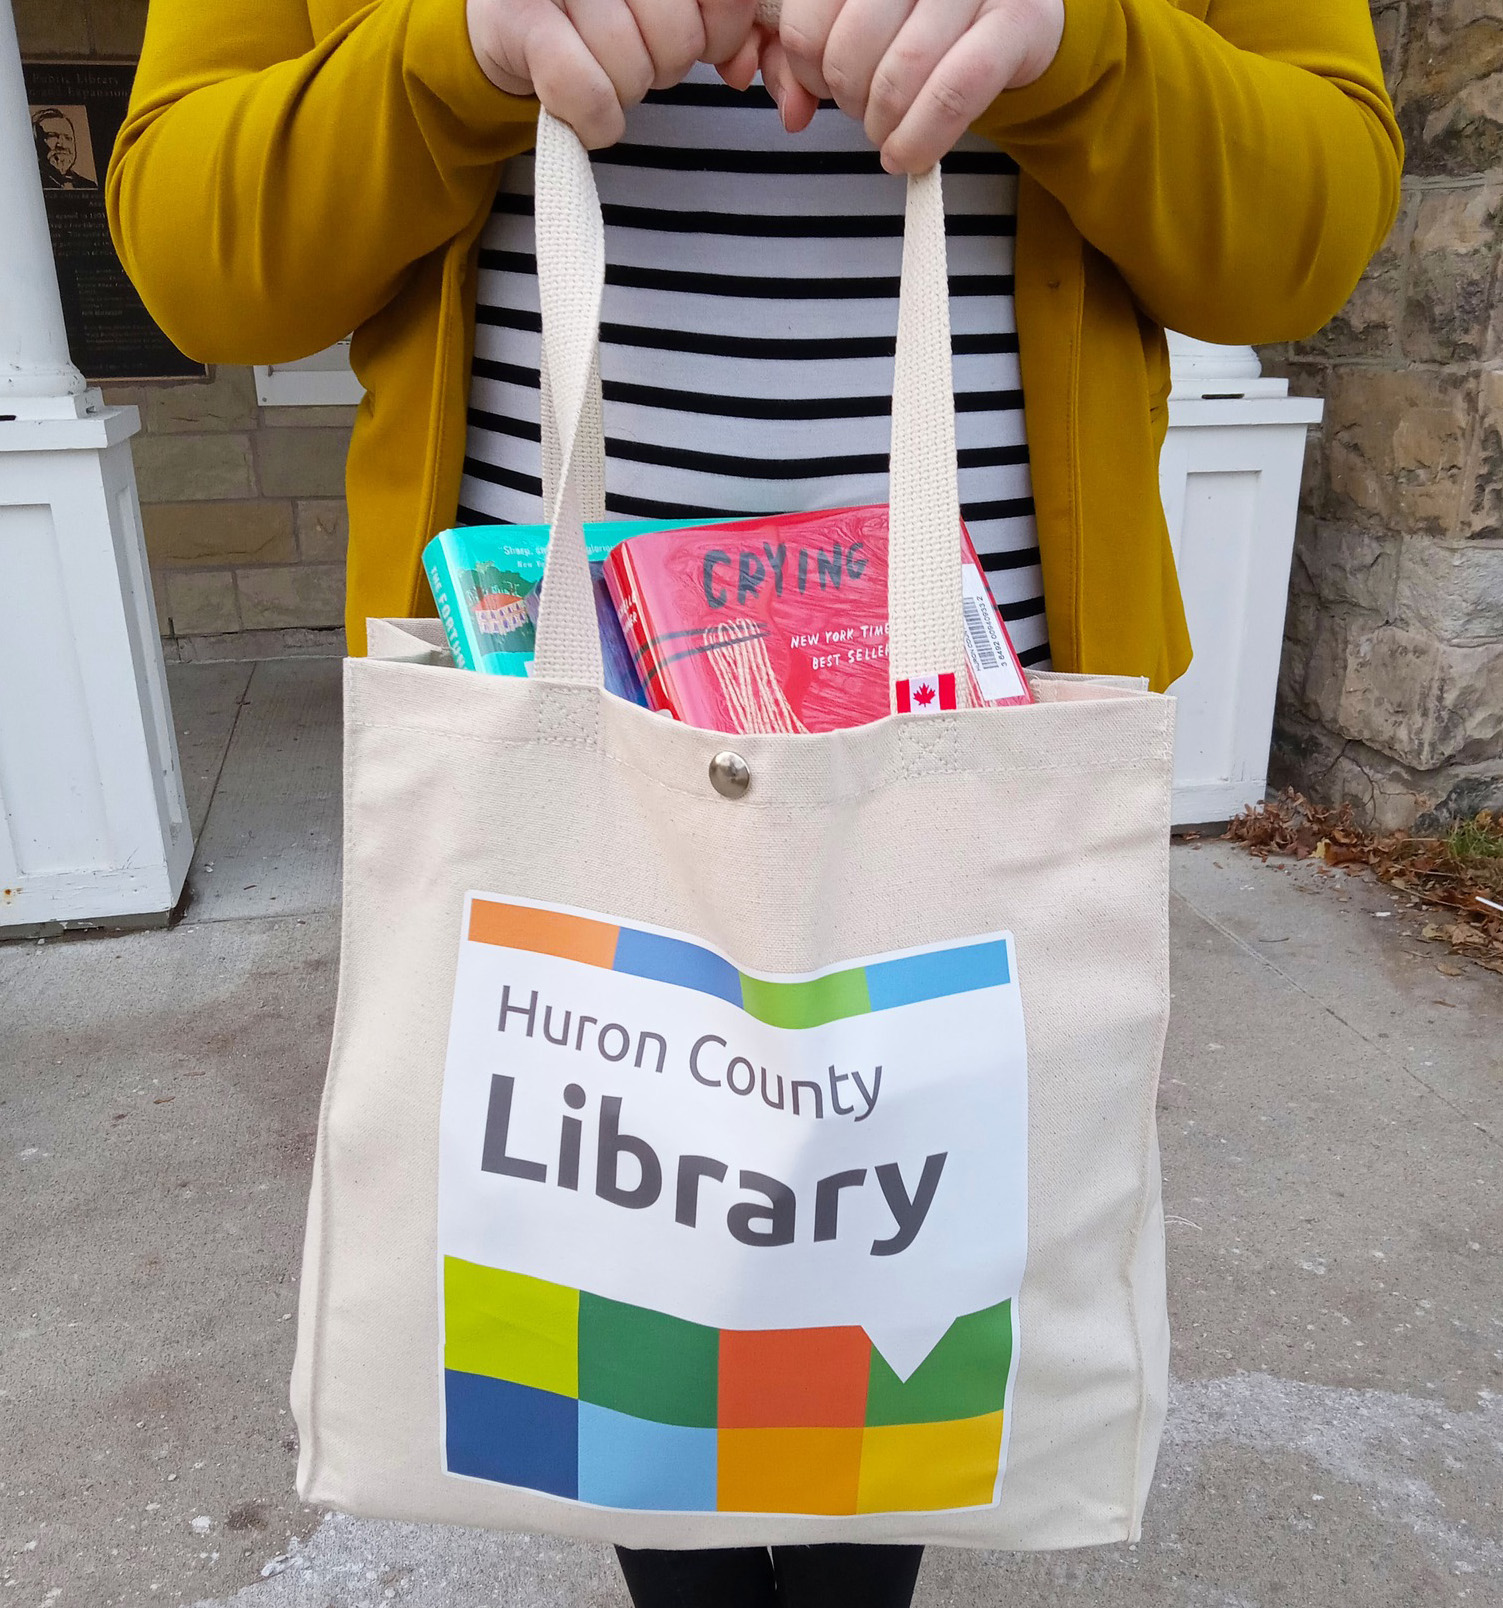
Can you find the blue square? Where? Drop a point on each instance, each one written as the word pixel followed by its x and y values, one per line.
pixel 671 960
pixel 939 973
pixel 495 1430
pixel 627 1462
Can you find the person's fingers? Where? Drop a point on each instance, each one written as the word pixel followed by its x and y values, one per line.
pixel 741 68
pixel 859 39
pixel 674 33
pixel 796 106
pixel 728 26
pixel 569 81
pixel 498 36
pixel 610 34
pixel 969 78
pixel 803 29
pixel 931 31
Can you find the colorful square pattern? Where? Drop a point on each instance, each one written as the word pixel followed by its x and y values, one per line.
pixel 566 1392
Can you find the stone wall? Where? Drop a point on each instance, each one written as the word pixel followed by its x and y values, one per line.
pixel 1392 686
pixel 243 506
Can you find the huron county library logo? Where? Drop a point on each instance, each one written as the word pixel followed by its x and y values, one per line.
pixel 716 1239
pixel 564 1392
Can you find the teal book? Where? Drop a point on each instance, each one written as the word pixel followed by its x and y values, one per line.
pixel 487 582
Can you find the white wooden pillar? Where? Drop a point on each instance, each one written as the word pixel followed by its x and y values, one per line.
pixel 1230 479
pixel 93 827
pixel 34 366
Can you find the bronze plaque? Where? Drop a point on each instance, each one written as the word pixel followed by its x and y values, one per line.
pixel 77 108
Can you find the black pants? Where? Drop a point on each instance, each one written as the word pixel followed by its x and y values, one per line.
pixel 784 1577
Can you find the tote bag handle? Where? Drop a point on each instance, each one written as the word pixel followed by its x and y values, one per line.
pixel 926 623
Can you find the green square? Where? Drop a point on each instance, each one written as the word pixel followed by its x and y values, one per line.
pixel 965 1376
pixel 647 1364
pixel 810 1003
pixel 508 1326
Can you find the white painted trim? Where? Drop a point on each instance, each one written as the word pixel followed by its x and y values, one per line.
pixel 1229 477
pixel 88 898
pixel 324 380
pixel 1202 413
pixel 1200 803
pixel 90 432
pixel 36 377
pixel 93 823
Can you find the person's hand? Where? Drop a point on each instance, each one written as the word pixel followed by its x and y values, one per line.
pixel 914 73
pixel 588 60
pixel 763 49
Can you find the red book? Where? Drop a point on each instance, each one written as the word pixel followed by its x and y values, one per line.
pixel 780 624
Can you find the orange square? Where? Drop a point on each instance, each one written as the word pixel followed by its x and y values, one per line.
pixel 782 1378
pixel 908 1468
pixel 789 1470
pixel 543 932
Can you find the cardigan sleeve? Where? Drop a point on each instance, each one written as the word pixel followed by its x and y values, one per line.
pixel 1239 171
pixel 269 190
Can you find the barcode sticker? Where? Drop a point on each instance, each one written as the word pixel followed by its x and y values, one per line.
pixel 993 662
pixel 983 645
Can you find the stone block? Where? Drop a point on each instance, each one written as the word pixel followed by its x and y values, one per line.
pixel 1368 326
pixel 302 463
pixel 128 396
pixel 1453 591
pixel 1305 371
pixel 193 468
pixel 1388 26
pixel 294 595
pixel 312 418
pixel 1484 506
pixel 52 27
pixel 118 27
pixel 1450 94
pixel 200 601
pixel 1301 622
pixel 1349 565
pixel 1307 377
pixel 323 531
pixel 1447 304
pixel 1422 702
pixel 1385 793
pixel 252 532
pixel 1313 479
pixel 1467 796
pixel 1396 447
pixel 225 402
pixel 1302 752
pixel 1318 695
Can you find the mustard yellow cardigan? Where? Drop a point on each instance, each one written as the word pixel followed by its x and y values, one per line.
pixel 292 170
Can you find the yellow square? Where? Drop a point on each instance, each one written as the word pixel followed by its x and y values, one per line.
pixel 788 1470
pixel 908 1468
pixel 508 1326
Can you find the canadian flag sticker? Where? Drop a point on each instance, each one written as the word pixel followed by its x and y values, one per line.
pixel 926 694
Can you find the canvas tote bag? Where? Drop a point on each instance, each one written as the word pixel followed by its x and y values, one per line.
pixel 705 1164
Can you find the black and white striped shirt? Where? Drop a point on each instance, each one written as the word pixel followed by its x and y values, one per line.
pixel 748 329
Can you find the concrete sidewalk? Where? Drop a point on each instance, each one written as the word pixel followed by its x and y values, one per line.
pixel 1332 1114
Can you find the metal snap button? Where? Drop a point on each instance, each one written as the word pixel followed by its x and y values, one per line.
pixel 730 775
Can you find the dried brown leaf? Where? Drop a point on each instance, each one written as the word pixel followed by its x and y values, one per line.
pixel 1446 874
